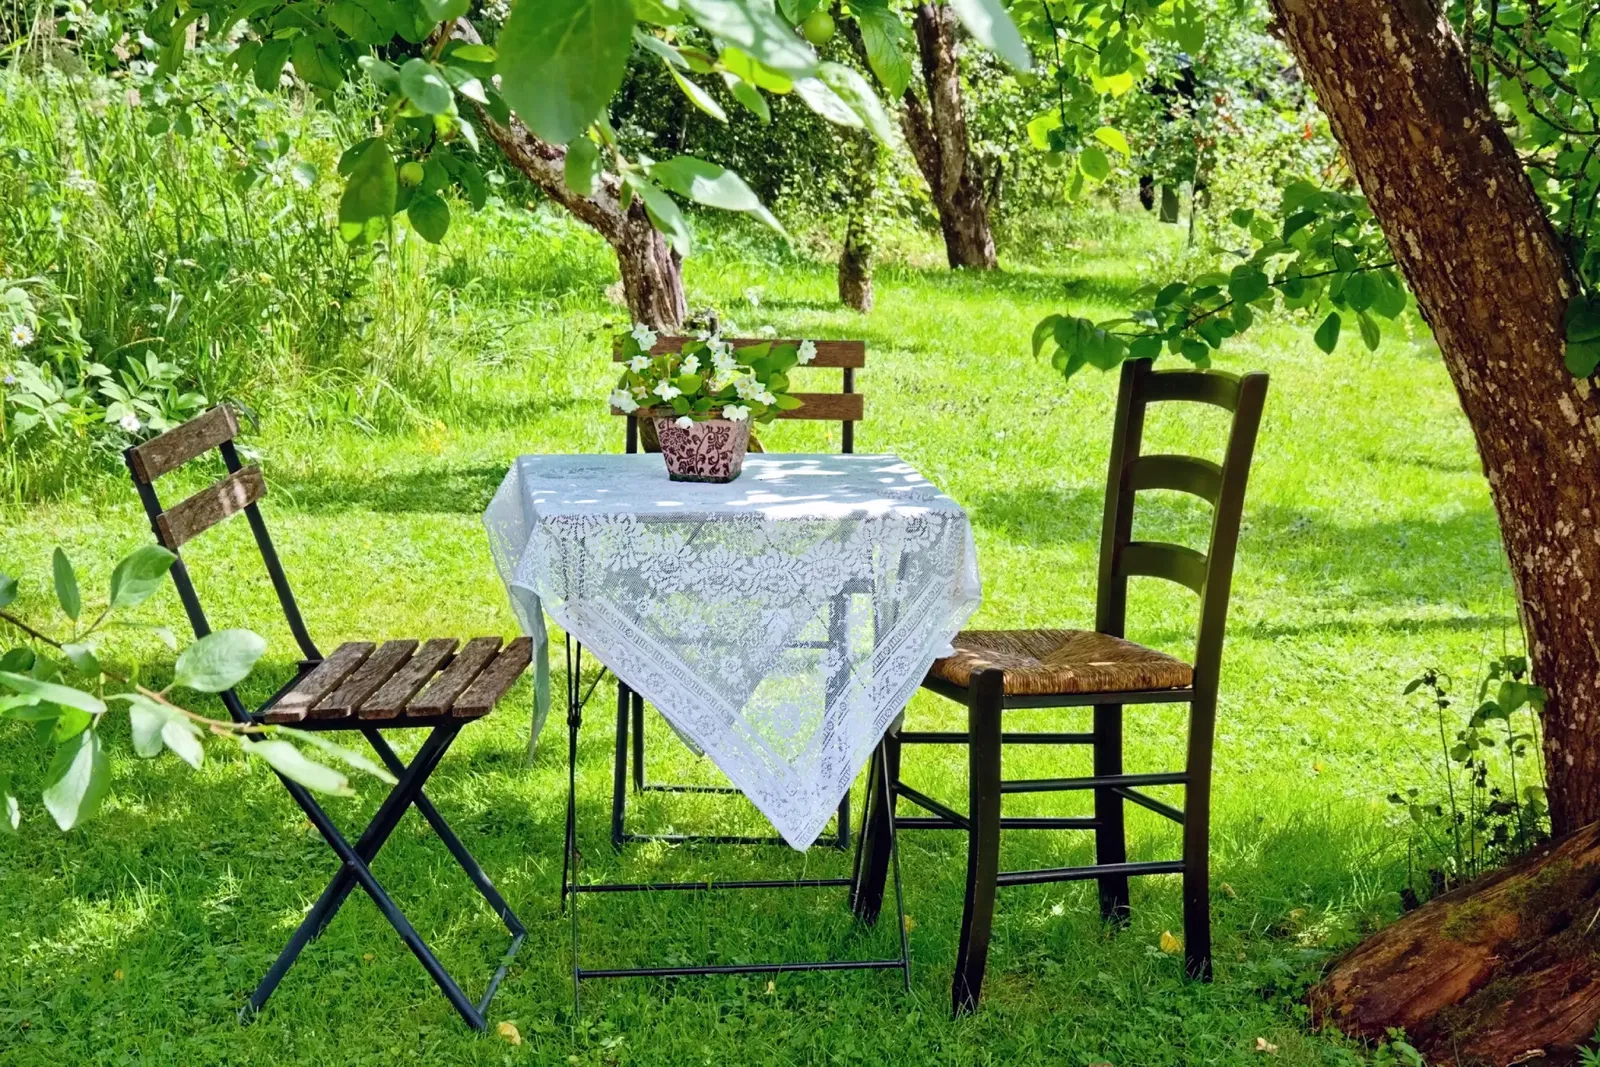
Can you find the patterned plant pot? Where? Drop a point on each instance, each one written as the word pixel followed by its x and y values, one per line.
pixel 709 451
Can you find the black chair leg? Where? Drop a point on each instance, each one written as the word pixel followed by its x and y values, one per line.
pixel 1197 841
pixel 638 742
pixel 985 701
pixel 873 847
pixel 1110 839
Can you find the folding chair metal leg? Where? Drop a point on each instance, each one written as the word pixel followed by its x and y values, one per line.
pixel 1110 838
pixel 983 841
pixel 619 768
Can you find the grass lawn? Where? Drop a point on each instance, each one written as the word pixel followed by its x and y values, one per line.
pixel 1370 551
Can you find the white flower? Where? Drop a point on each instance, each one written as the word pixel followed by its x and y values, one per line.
pixel 691 365
pixel 719 347
pixel 639 364
pixel 623 400
pixel 807 352
pixel 769 330
pixel 644 335
pixel 22 335
pixel 129 423
pixel 735 412
pixel 702 335
pixel 724 366
pixel 666 390
pixel 765 396
pixel 683 422
pixel 747 387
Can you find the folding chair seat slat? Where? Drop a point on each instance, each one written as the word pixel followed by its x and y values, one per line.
pixel 366 680
pixel 390 699
pixel 441 694
pixel 486 690
pixel 324 678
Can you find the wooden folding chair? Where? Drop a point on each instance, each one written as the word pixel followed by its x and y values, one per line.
pixel 362 686
pixel 999 671
pixel 847 408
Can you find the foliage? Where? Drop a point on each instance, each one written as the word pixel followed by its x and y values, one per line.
pixel 709 378
pixel 1481 822
pixel 57 690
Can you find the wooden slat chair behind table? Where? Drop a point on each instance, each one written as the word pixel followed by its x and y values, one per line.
pixel 998 673
pixel 847 408
pixel 363 686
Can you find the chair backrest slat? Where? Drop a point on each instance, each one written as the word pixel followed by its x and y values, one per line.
pixel 1184 474
pixel 1209 573
pixel 829 353
pixel 220 500
pixel 826 407
pixel 1158 559
pixel 171 450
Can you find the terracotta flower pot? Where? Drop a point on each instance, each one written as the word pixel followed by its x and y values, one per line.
pixel 708 451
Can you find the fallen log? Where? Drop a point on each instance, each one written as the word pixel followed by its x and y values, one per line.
pixel 1503 970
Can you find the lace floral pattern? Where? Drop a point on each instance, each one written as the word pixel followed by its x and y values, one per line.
pixel 779 623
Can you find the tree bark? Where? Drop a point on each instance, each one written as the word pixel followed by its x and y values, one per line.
pixel 937 135
pixel 1488 974
pixel 1491 280
pixel 855 259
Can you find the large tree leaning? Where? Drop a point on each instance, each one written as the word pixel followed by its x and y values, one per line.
pixel 936 131
pixel 1497 969
pixel 1490 278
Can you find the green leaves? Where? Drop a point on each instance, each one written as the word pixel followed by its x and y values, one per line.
pixel 218 661
pixel 560 61
pixel 663 212
pixel 1114 140
pixel 883 34
pixel 755 27
pixel 156 726
pixel 1094 164
pixel 712 185
pixel 425 87
pixel 52 692
pixel 989 22
pixel 369 193
pixel 1327 335
pixel 1247 282
pixel 1583 335
pixel 430 217
pixel 139 575
pixel 79 779
pixel 8 589
pixel 66 582
pixel 288 761
pixel 582 167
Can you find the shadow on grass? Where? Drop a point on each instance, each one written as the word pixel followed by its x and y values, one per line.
pixel 452 490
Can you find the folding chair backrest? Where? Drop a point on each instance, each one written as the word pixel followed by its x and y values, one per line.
pixel 847 407
pixel 1209 574
pixel 240 490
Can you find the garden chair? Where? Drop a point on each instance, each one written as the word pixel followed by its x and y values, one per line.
pixel 996 671
pixel 362 686
pixel 847 407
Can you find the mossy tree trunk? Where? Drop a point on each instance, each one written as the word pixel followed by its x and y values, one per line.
pixel 1490 277
pixel 855 258
pixel 1491 973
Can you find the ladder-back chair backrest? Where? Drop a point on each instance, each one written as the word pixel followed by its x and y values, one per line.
pixel 1210 574
pixel 241 489
pixel 846 407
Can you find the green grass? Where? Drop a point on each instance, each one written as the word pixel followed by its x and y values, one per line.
pixel 1370 551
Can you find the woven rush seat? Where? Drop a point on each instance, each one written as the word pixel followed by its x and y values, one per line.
pixel 409 679
pixel 1053 662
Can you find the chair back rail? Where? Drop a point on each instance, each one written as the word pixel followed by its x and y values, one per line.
pixel 1209 573
pixel 240 490
pixel 846 407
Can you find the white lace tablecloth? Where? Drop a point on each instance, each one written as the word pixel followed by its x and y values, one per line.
pixel 779 622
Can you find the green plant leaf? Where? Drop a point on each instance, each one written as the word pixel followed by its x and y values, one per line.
pixel 66 580
pixel 749 96
pixel 851 88
pixel 82 658
pixel 346 755
pixel 446 10
pixel 664 213
pixel 582 168
pixel 8 589
pixel 290 762
pixel 425 87
pixel 146 717
pixel 990 23
pixel 218 661
pixel 1094 164
pixel 369 192
pixel 269 63
pixel 698 96
pixel 80 778
pixel 1247 283
pixel 1327 335
pixel 562 60
pixel 883 34
pixel 1371 336
pixel 430 217
pixel 11 818
pixel 714 186
pixel 52 692
pixel 755 27
pixel 139 575
pixel 1113 139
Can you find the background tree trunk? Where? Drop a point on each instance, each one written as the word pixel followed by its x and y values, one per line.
pixel 1490 278
pixel 937 135
pixel 855 259
pixel 1489 973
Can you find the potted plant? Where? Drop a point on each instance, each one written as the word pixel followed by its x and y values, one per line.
pixel 704 397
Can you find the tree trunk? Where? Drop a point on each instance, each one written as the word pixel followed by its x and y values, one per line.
pixel 937 134
pixel 1490 278
pixel 1491 973
pixel 855 259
